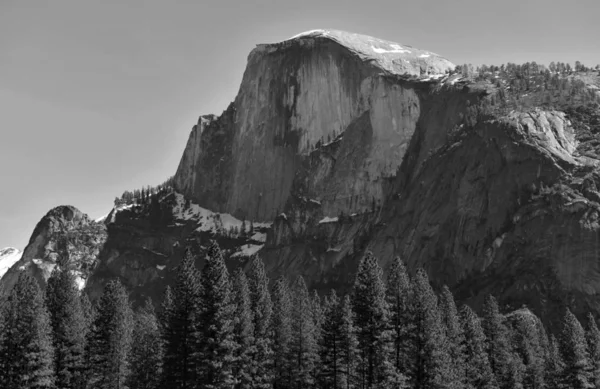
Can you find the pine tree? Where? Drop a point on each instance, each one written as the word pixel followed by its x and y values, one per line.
pixel 593 342
pixel 304 342
pixel 432 364
pixel 478 372
pixel 146 351
pixel 554 365
pixel 26 353
pixel 497 343
pixel 282 334
pixel 181 333
pixel 578 368
pixel 243 331
pixel 317 314
pixel 399 299
pixel 529 350
pixel 372 321
pixel 455 339
pixel 262 311
pixel 217 347
pixel 110 339
pixel 349 354
pixel 330 342
pixel 69 327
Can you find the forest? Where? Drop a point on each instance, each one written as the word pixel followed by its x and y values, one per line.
pixel 214 329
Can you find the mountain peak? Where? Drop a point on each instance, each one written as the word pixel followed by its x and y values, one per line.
pixel 393 57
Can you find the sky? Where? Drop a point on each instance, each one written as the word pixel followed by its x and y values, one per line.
pixel 98 97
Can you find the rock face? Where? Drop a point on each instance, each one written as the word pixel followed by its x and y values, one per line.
pixel 339 143
pixel 296 96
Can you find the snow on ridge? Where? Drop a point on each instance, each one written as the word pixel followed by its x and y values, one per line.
pixel 8 257
pixel 310 32
pixel 209 220
pixel 160 267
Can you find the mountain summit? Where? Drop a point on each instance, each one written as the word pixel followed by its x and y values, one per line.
pixel 338 144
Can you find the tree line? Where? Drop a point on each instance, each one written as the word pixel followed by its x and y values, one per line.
pixel 145 194
pixel 220 330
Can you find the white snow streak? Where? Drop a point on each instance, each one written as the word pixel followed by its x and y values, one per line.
pixel 328 219
pixel 395 49
pixel 247 250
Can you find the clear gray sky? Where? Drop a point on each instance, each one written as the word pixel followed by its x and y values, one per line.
pixel 97 97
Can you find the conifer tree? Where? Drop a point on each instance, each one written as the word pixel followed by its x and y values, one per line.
pixel 349 354
pixel 304 343
pixel 262 311
pixel 317 314
pixel 554 365
pixel 282 334
pixel 146 351
pixel 593 343
pixel 578 368
pixel 330 342
pixel 372 321
pixel 181 334
pixel 69 328
pixel 399 299
pixel 529 350
pixel 110 338
pixel 497 343
pixel 431 358
pixel 454 338
pixel 478 372
pixel 217 347
pixel 26 353
pixel 243 331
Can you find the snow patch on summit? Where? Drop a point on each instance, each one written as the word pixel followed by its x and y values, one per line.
pixel 395 49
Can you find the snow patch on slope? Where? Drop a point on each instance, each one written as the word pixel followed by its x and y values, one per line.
pixel 247 250
pixel 8 257
pixel 209 220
